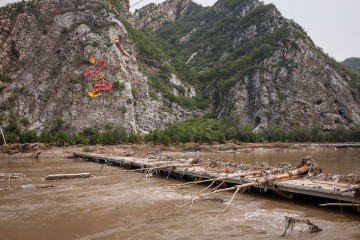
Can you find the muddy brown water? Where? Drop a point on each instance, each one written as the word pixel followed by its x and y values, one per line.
pixel 343 161
pixel 117 205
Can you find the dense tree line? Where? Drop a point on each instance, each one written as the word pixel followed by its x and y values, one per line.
pixel 60 134
pixel 208 130
pixel 204 129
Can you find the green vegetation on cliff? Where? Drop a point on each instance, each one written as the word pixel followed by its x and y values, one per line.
pixel 151 54
pixel 353 64
pixel 147 51
pixel 246 44
pixel 206 50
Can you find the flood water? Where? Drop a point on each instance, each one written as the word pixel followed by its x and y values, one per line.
pixel 343 161
pixel 118 205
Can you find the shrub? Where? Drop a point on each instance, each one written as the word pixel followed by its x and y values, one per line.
pixel 28 136
pixel 46 137
pixel 119 85
pixel 114 135
pixel 5 78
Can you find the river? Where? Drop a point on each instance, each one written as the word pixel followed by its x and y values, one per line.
pixel 118 205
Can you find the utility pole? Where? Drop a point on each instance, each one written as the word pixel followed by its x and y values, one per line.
pixel 3 135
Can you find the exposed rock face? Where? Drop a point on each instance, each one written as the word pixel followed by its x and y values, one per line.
pixel 309 93
pixel 272 72
pixel 155 16
pixel 44 48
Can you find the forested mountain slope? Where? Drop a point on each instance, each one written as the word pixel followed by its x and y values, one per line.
pixel 353 64
pixel 250 60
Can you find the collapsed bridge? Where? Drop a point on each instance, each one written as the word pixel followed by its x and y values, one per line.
pixel 303 179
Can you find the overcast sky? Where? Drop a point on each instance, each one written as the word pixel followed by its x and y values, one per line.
pixel 332 24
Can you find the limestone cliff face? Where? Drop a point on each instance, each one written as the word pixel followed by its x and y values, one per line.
pixel 256 63
pixel 295 86
pixel 154 16
pixel 44 50
pixel 310 92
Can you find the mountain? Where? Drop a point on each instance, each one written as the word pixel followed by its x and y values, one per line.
pixel 181 60
pixel 45 47
pixel 154 16
pixel 252 61
pixel 353 64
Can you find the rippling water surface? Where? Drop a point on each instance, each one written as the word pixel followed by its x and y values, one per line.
pixel 117 205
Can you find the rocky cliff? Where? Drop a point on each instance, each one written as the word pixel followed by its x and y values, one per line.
pixel 252 61
pixel 154 16
pixel 45 47
pixel 83 62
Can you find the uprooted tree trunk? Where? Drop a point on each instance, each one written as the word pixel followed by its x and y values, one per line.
pixel 67 176
pixel 230 176
pixel 304 166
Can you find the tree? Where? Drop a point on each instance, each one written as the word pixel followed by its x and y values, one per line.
pixel 28 136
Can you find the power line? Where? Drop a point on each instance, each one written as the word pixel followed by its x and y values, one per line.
pixel 136 3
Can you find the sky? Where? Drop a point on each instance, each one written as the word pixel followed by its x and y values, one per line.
pixel 332 24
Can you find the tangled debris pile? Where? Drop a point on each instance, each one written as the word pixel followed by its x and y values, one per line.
pixel 349 179
pixel 26 147
pixel 262 176
pixel 221 166
pixel 290 223
pixel 9 176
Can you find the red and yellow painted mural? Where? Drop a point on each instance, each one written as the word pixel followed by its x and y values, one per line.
pixel 95 75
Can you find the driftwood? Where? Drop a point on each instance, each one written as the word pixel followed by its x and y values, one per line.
pixel 27 187
pixel 290 223
pixel 223 178
pixel 67 176
pixel 305 165
pixel 165 167
pixel 340 205
pixel 11 175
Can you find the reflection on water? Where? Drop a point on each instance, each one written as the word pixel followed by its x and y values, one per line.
pixel 116 205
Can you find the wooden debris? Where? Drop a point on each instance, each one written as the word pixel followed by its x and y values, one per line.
pixel 223 178
pixel 22 148
pixel 290 223
pixel 27 187
pixel 164 167
pixel 67 176
pixel 37 154
pixel 11 175
pixel 102 166
pixel 305 165
pixel 340 205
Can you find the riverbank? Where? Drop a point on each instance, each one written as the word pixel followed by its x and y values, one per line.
pixel 39 150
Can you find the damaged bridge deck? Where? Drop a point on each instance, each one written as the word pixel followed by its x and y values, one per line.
pixel 287 188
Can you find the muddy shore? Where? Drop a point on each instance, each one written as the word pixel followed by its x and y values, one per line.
pixel 39 150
